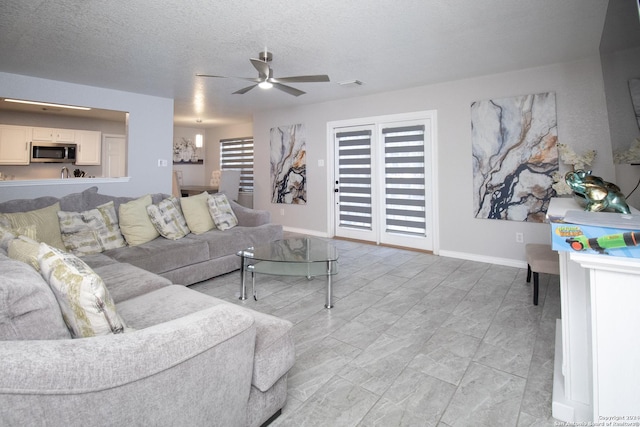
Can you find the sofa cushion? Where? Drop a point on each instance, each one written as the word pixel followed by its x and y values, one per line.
pixel 135 223
pixel 196 212
pixel 168 219
pixel 274 351
pixel 45 220
pixel 227 242
pixel 161 255
pixel 126 281
pixel 91 231
pixel 221 212
pixel 86 305
pixel 28 308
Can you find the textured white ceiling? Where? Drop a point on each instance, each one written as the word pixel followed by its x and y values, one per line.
pixel 157 47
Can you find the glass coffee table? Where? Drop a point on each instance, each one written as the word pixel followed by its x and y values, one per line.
pixel 301 256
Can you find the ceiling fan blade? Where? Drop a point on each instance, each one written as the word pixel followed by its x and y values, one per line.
pixel 304 79
pixel 247 79
pixel 290 90
pixel 244 90
pixel 261 66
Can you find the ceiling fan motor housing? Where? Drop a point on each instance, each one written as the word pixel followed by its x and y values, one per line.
pixel 265 56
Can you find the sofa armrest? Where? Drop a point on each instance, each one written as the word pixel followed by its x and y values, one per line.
pixel 248 217
pixel 173 373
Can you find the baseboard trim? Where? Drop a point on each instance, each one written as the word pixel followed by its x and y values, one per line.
pixel 303 231
pixel 481 258
pixel 507 262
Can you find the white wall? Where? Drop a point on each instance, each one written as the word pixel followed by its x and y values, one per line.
pixel 191 174
pixel 582 124
pixel 150 133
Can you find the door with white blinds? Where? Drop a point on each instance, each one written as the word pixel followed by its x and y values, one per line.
pixel 383 183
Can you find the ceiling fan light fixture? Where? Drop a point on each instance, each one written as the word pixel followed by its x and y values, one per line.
pixel 265 85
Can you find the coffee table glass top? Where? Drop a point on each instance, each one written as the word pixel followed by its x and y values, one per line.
pixel 302 256
pixel 302 250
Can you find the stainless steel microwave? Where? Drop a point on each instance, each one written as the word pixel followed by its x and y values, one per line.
pixel 51 152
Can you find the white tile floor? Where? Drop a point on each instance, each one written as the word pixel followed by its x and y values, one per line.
pixel 413 340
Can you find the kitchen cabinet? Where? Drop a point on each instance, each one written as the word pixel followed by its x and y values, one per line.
pixel 89 147
pixel 14 145
pixel 54 135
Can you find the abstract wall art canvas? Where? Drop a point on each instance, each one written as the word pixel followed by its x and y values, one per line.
pixel 289 165
pixel 514 156
pixel 634 90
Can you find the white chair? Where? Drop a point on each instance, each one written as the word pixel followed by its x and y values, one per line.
pixel 215 179
pixel 230 183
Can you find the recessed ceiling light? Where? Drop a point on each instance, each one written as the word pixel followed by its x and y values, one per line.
pixel 46 104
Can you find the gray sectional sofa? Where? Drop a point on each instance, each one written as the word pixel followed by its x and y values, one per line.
pixel 190 359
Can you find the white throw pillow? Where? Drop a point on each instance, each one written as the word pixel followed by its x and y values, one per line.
pixel 86 305
pixel 221 212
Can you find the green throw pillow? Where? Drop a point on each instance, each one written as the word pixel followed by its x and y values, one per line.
pixel 196 212
pixel 135 223
pixel 86 305
pixel 45 221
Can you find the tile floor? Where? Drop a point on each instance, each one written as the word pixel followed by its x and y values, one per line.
pixel 413 340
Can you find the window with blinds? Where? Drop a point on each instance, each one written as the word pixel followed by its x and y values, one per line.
pixel 404 179
pixel 237 153
pixel 354 179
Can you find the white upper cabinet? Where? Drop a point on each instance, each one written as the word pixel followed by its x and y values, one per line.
pixel 14 145
pixel 89 147
pixel 54 135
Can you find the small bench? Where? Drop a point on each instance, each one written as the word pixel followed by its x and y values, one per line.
pixel 540 259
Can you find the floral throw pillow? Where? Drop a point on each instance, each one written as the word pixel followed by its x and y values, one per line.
pixel 92 231
pixel 221 212
pixel 86 305
pixel 168 219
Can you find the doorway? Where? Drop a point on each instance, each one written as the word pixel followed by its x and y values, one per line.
pixel 384 175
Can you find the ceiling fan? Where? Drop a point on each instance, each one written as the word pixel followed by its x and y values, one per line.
pixel 266 80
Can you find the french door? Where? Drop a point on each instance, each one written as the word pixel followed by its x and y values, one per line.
pixel 383 182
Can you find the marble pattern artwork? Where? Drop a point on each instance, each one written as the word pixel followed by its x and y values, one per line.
pixel 289 165
pixel 634 90
pixel 514 155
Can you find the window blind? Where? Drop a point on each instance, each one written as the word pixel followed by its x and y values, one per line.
pixel 404 179
pixel 354 179
pixel 237 153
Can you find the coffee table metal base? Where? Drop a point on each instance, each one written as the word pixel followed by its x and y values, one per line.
pixel 244 267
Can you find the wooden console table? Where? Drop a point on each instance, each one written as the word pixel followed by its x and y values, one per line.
pixel 192 190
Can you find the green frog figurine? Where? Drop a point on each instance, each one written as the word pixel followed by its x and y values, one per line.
pixel 598 193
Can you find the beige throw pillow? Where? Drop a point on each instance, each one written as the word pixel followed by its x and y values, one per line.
pixel 221 212
pixel 196 212
pixel 92 231
pixel 168 219
pixel 86 305
pixel 135 223
pixel 26 250
pixel 45 221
